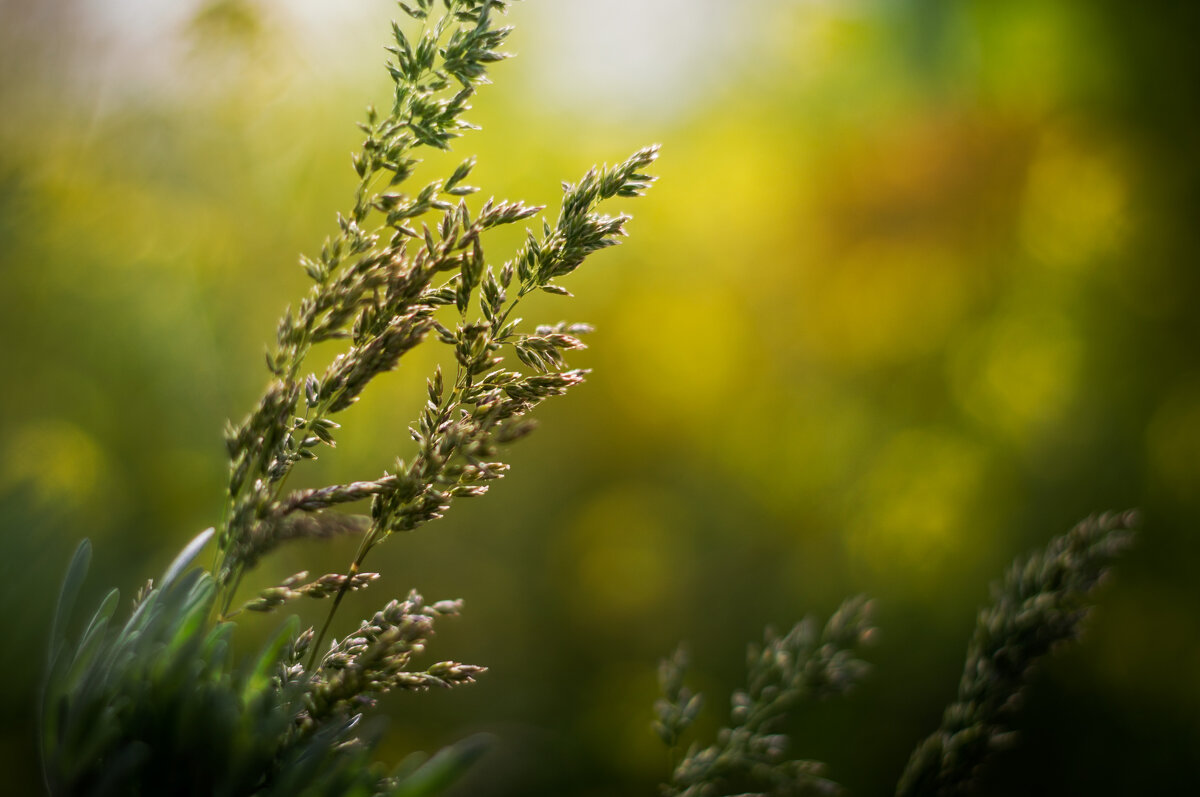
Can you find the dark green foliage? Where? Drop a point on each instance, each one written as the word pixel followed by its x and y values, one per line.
pixel 159 706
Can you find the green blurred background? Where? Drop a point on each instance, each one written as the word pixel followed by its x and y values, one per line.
pixel 916 291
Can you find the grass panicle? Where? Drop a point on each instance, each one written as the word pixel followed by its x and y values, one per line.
pixel 1040 605
pixel 161 704
pixel 807 663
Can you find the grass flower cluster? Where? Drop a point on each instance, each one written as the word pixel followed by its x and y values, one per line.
pixel 159 704
pixel 1040 605
pixel 803 664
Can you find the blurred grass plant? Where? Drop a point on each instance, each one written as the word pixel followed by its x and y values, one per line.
pixel 1039 606
pixel 160 704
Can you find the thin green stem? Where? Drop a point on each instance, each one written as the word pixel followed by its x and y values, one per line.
pixel 364 548
pixel 232 590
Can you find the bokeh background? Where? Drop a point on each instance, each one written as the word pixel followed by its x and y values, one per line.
pixel 917 290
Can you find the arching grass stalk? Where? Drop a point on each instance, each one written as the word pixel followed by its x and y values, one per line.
pixel 384 283
pixel 381 288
